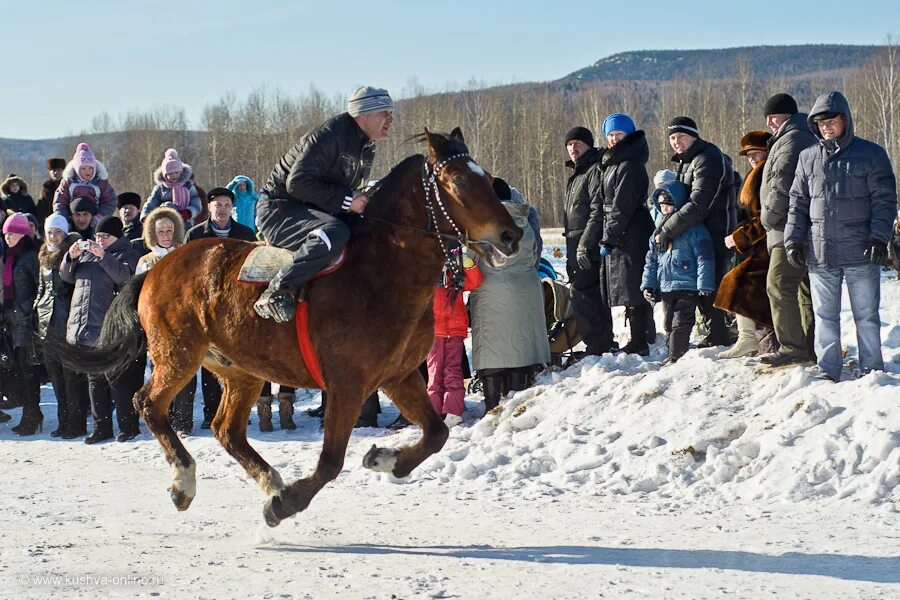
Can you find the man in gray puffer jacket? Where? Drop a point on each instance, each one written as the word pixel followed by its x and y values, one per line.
pixel 843 203
pixel 786 286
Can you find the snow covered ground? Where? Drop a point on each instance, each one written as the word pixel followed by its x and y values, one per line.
pixel 613 479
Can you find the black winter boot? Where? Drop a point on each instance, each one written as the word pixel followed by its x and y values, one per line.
pixel 637 322
pixel 493 385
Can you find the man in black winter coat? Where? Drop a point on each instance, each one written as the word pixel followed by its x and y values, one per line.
pixel 312 188
pixel 593 317
pixel 708 173
pixel 220 224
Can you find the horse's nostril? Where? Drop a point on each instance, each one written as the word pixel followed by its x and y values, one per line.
pixel 507 237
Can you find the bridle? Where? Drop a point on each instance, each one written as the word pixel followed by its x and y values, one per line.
pixel 434 208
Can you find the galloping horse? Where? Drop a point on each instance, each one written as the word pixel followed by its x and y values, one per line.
pixel 370 324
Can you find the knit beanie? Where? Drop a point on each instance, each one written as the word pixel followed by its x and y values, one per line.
pixel 780 104
pixel 16 223
pixel 110 225
pixel 129 198
pixel 57 221
pixel 662 176
pixel 683 125
pixel 618 122
pixel 367 99
pixel 83 204
pixel 84 157
pixel 582 134
pixel 171 163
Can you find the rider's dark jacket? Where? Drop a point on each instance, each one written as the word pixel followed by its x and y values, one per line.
pixel 325 166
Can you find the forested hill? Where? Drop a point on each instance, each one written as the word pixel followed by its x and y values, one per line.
pixel 764 62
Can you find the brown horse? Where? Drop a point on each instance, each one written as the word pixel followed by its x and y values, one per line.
pixel 371 324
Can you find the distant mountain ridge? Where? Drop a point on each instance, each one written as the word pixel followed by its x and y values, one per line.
pixel 764 61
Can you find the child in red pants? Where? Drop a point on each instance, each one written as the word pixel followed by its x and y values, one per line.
pixel 451 326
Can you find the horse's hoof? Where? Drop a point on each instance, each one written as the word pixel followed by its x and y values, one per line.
pixel 272 505
pixel 181 500
pixel 382 460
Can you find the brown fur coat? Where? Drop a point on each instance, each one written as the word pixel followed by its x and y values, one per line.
pixel 743 289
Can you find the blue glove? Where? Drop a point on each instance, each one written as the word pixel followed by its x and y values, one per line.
pixel 605 250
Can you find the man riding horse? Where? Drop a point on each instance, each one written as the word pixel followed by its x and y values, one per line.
pixel 312 190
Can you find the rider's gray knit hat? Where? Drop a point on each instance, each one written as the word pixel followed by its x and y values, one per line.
pixel 367 99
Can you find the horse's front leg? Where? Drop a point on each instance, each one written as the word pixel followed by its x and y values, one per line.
pixel 341 414
pixel 411 398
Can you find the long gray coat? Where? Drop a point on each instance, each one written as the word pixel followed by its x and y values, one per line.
pixel 508 324
pixel 793 137
pixel 844 195
pixel 96 283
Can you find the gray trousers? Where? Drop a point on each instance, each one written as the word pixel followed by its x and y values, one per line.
pixel 791 304
pixel 314 236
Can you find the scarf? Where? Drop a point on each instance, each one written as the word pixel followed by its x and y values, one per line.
pixel 220 232
pixel 159 251
pixel 9 291
pixel 181 197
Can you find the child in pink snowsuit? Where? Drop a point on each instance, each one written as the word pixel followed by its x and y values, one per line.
pixel 451 326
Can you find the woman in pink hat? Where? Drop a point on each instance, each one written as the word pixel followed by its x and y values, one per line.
pixel 20 283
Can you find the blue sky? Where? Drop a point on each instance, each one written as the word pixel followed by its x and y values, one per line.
pixel 104 55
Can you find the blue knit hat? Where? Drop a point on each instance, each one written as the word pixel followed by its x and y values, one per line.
pixel 618 122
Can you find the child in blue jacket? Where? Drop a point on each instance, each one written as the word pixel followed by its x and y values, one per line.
pixel 680 274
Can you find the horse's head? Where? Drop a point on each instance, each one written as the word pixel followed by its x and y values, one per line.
pixel 467 203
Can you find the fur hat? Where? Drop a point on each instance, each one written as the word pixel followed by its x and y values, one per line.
pixel 17 223
pixel 579 133
pixel 683 125
pixel 84 156
pixel 780 104
pixel 56 163
pixel 11 179
pixel 131 198
pixel 618 122
pixel 755 140
pixel 58 221
pixel 367 99
pixel 83 204
pixel 171 163
pixel 110 225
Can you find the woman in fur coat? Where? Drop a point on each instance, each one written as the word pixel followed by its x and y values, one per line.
pixel 164 233
pixel 743 289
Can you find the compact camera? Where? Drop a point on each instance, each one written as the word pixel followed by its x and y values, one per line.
pixel 84 244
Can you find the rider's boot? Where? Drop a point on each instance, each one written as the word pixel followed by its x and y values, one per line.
pixel 278 301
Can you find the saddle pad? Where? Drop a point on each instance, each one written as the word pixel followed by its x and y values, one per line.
pixel 264 262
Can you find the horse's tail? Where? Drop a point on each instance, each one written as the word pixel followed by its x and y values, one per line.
pixel 122 337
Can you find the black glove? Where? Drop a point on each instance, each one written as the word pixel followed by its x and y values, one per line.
pixel 664 240
pixel 796 255
pixel 877 252
pixel 651 296
pixel 584 259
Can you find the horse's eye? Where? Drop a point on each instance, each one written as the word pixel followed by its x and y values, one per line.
pixel 459 182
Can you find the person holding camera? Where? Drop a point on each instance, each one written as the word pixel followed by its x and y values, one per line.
pixel 98 269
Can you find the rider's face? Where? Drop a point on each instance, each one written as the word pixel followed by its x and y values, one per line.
pixel 376 125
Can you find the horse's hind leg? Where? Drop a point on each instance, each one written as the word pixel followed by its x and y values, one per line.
pixel 152 402
pixel 411 398
pixel 230 426
pixel 341 413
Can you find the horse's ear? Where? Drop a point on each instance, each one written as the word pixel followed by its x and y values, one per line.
pixel 457 133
